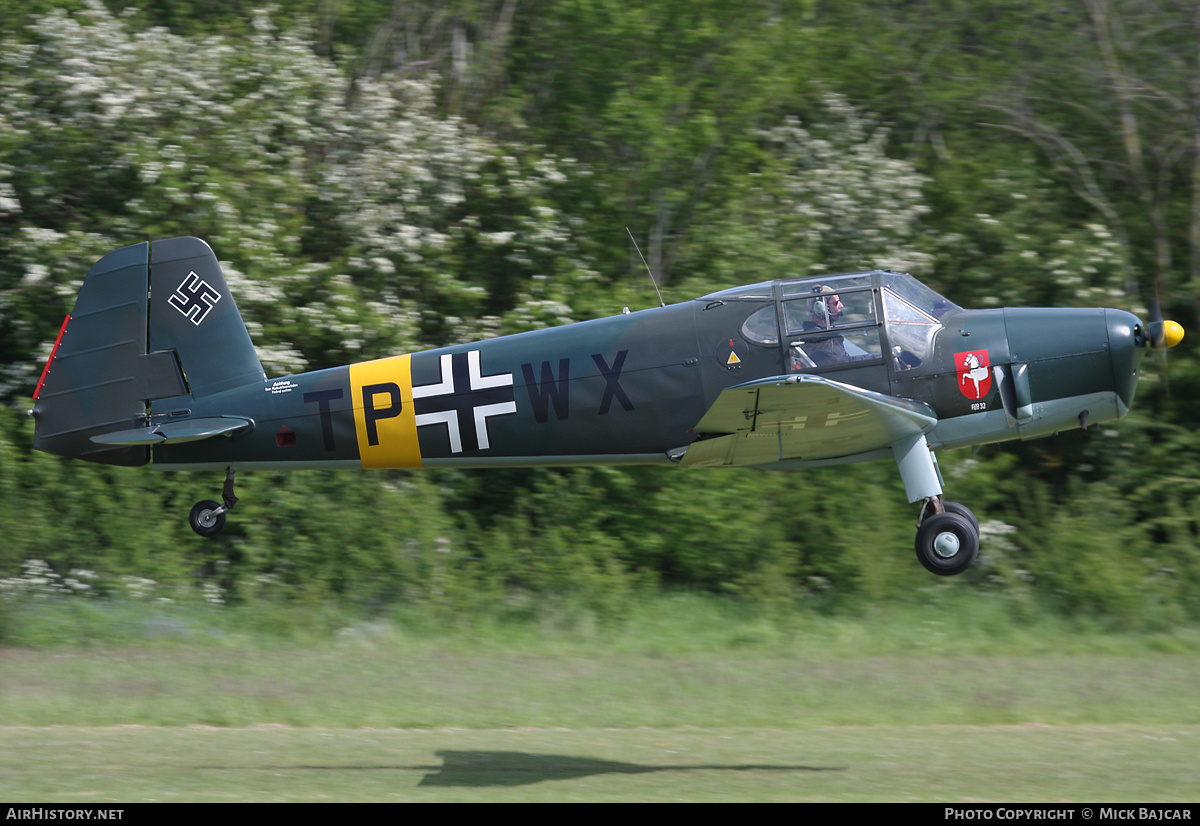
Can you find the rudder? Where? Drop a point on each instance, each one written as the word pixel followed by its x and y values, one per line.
pixel 193 313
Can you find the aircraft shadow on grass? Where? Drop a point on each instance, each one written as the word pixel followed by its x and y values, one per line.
pixel 515 768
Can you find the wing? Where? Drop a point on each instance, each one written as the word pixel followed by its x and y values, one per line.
pixel 801 418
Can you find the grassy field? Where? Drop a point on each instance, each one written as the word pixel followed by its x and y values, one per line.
pixel 414 687
pixel 840 763
pixel 688 700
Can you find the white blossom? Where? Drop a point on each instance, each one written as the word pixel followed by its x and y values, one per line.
pixel 242 138
pixel 844 199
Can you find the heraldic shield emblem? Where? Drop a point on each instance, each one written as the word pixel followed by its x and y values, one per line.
pixel 974 373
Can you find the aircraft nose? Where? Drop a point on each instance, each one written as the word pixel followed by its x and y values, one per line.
pixel 1127 341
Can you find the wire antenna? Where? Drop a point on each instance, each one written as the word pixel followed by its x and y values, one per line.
pixel 661 303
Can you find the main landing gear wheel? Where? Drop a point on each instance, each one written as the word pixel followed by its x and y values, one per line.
pixel 962 510
pixel 948 542
pixel 207 518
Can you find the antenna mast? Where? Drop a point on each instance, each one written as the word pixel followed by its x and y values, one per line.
pixel 661 303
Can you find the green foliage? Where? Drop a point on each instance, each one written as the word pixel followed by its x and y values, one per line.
pixel 356 221
pixel 665 102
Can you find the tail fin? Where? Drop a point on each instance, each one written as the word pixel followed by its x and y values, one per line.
pixel 151 322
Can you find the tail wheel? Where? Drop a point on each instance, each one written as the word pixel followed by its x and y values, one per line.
pixel 207 518
pixel 947 543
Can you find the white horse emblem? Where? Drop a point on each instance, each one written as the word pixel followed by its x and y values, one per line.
pixel 976 372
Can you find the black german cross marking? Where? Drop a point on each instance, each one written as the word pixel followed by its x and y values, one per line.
pixel 465 402
pixel 612 375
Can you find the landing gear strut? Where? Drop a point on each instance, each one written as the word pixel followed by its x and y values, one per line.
pixel 208 517
pixel 947 532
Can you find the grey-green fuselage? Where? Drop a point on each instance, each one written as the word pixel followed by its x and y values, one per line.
pixel 631 388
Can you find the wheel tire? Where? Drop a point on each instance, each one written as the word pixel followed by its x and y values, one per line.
pixel 962 510
pixel 203 519
pixel 947 543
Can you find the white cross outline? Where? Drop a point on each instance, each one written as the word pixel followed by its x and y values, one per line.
pixel 445 387
pixel 189 305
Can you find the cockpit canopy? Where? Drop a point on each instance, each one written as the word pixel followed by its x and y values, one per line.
pixel 846 304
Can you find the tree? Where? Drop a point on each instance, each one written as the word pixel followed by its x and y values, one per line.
pixel 355 221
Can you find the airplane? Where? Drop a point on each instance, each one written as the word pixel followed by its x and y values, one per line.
pixel 155 364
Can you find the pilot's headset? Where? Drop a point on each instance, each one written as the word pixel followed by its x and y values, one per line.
pixel 822 306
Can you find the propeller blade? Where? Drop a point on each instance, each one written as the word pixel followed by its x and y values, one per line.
pixel 1161 335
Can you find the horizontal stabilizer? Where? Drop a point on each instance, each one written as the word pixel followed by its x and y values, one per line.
pixel 801 418
pixel 192 430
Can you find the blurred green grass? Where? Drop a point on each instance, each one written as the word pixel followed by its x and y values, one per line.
pixel 688 698
pixel 673 662
pixel 871 763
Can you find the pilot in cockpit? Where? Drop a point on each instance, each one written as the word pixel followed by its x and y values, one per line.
pixel 819 345
pixel 825 309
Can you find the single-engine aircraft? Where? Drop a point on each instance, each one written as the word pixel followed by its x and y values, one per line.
pixel 155 363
